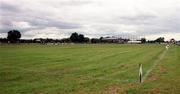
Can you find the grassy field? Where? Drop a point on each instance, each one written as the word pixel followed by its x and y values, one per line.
pixel 89 69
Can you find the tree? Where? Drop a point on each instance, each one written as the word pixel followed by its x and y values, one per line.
pixel 95 40
pixel 143 40
pixel 101 39
pixel 74 37
pixel 13 36
pixel 66 40
pixel 78 38
pixel 81 38
pixel 160 40
pixel 86 39
pixel 173 41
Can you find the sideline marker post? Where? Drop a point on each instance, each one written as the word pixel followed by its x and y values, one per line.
pixel 167 47
pixel 140 73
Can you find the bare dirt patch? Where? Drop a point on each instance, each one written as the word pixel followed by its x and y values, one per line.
pixel 116 89
pixel 152 78
pixel 162 70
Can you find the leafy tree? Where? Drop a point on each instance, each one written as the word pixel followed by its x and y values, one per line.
pixel 160 40
pixel 78 38
pixel 13 36
pixel 74 37
pixel 66 40
pixel 101 39
pixel 81 38
pixel 86 39
pixel 172 41
pixel 95 40
pixel 143 40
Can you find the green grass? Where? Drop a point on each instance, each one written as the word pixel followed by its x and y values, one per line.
pixel 88 69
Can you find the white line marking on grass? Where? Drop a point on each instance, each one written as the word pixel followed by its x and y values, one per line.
pixel 154 65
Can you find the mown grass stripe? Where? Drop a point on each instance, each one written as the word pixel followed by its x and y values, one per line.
pixel 155 63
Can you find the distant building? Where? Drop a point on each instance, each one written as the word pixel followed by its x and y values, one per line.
pixel 178 43
pixel 134 42
pixel 38 40
pixel 113 40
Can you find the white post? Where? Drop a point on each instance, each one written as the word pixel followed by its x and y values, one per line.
pixel 140 73
pixel 167 47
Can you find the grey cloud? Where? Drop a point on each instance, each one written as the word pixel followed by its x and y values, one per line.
pixel 40 19
pixel 137 19
pixel 170 24
pixel 11 9
pixel 38 23
pixel 75 2
pixel 105 22
pixel 7 7
pixel 35 19
pixel 41 22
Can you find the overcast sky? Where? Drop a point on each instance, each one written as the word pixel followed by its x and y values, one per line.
pixel 93 18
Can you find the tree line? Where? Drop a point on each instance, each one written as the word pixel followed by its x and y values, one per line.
pixel 14 37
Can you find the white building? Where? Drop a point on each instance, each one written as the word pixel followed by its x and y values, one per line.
pixel 178 43
pixel 134 42
pixel 114 40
